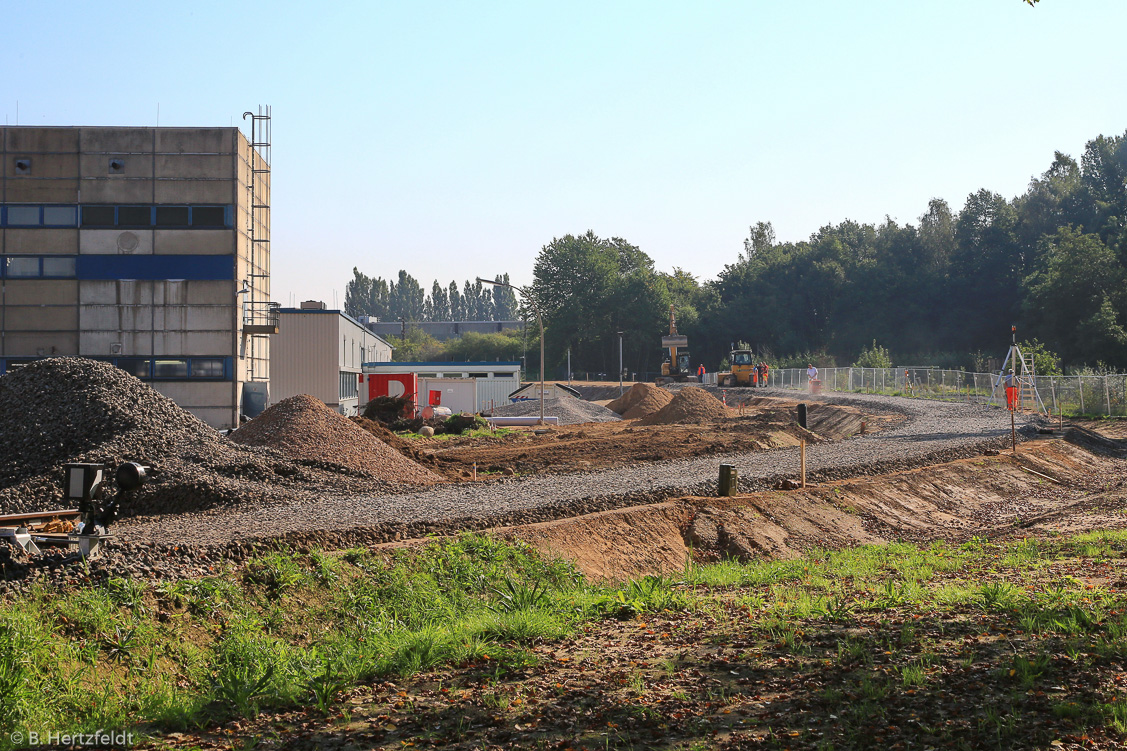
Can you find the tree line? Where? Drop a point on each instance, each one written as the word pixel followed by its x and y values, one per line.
pixel 404 299
pixel 944 290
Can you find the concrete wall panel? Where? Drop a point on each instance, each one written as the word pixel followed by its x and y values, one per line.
pixel 115 241
pixel 210 293
pixel 40 241
pixel 34 190
pixel 192 318
pixel 215 242
pixel 40 292
pixel 51 166
pixel 194 191
pixel 135 165
pixel 40 318
pixel 42 139
pixel 195 166
pixel 196 393
pixel 195 140
pixel 102 292
pixel 44 344
pixel 116 140
pixel 99 318
pixel 116 190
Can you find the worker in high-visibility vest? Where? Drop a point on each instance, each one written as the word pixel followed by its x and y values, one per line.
pixel 701 371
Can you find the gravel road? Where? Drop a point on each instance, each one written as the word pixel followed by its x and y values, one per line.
pixel 933 432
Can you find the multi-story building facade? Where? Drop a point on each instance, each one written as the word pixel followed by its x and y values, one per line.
pixel 147 247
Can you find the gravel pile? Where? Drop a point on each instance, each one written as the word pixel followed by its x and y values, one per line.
pixel 62 410
pixel 568 409
pixel 641 400
pixel 303 427
pixel 689 406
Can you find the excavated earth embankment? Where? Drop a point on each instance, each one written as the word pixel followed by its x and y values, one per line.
pixel 1052 486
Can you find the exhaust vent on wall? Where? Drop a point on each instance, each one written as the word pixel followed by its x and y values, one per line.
pixel 117 166
pixel 23 166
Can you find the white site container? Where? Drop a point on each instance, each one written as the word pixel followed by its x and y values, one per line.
pixel 458 394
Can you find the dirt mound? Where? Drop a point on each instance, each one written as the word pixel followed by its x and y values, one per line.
pixel 569 410
pixel 62 410
pixel 302 427
pixel 690 405
pixel 642 399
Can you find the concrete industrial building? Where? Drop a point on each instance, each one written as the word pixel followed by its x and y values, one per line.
pixel 146 247
pixel 321 352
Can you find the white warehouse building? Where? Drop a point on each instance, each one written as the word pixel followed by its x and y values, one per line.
pixel 321 352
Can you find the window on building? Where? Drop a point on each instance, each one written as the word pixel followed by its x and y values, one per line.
pixel 60 266
pixel 170 369
pixel 60 216
pixel 348 385
pixel 429 375
pixel 207 367
pixel 134 216
pixel 23 216
pixel 21 266
pixel 209 216
pixel 478 375
pixel 173 216
pixel 97 216
pixel 134 366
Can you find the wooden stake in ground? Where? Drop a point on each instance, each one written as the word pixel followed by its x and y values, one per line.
pixel 802 451
pixel 1013 431
pixel 802 412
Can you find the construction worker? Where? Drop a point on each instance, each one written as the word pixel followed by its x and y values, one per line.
pixel 812 377
pixel 701 371
pixel 766 372
pixel 754 377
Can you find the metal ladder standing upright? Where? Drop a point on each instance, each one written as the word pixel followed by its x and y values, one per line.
pixel 1028 397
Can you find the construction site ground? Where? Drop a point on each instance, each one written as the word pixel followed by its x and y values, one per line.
pixel 756 423
pixel 879 660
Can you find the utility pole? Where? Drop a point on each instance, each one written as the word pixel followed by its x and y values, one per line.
pixel 620 363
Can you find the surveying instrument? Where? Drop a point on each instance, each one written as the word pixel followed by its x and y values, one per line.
pixel 1017 382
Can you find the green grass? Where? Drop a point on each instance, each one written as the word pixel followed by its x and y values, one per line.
pixel 295 630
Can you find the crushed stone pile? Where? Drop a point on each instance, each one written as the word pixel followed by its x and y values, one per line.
pixel 303 427
pixel 641 400
pixel 568 409
pixel 62 410
pixel 689 406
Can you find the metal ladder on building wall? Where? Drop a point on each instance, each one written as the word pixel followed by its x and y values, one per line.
pixel 259 165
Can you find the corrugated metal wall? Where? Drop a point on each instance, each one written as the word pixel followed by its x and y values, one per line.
pixel 304 358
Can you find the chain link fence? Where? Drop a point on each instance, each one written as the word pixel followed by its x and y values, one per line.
pixel 1071 395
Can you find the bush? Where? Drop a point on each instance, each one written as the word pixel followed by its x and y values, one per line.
pixel 460 423
pixel 874 357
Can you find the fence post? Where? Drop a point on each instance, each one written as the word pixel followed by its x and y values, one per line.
pixel 1053 390
pixel 1080 383
pixel 1107 396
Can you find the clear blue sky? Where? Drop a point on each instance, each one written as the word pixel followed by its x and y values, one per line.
pixel 455 139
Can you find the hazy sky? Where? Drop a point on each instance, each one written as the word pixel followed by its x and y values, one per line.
pixel 455 139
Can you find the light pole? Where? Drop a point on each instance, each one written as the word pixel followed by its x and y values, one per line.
pixel 620 363
pixel 532 300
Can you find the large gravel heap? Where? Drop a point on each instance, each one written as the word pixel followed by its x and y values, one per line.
pixel 641 400
pixel 303 427
pixel 63 410
pixel 689 406
pixel 567 408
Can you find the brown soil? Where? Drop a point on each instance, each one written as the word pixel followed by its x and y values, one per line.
pixel 302 427
pixel 998 497
pixel 690 405
pixel 641 400
pixel 615 444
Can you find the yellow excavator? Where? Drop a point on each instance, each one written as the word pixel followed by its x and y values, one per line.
pixel 676 364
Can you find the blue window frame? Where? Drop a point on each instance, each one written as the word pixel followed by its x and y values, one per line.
pixel 154 368
pixel 35 267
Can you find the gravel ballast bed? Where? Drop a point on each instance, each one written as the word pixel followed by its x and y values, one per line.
pixel 933 432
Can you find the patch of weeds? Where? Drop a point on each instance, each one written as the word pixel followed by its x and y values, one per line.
pixel 276 572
